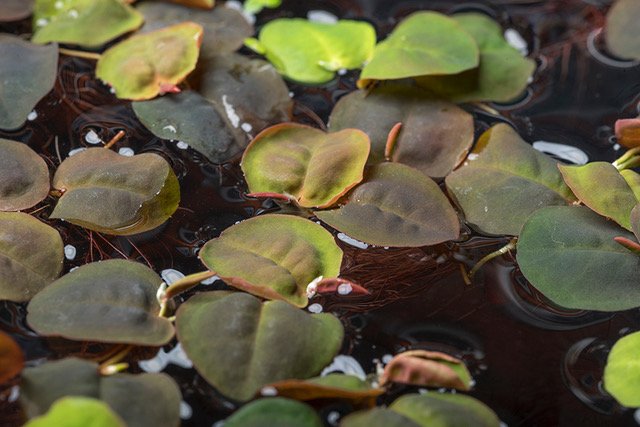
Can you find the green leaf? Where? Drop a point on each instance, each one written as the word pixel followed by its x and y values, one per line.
pixel 622 371
pixel 425 43
pixel 435 135
pixel 600 186
pixel 31 256
pixel 273 256
pixel 144 400
pixel 622 34
pixel 633 179
pixel 427 368
pixel 27 73
pixel 256 6
pixel 224 29
pixel 109 301
pixel 275 411
pixel 312 52
pixel 77 411
pixel 395 205
pixel 87 23
pixel 504 180
pixel 24 176
pixel 502 75
pixel 11 358
pixel 305 164
pixel 146 65
pixel 569 254
pixel 254 343
pixel 116 194
pixel 15 10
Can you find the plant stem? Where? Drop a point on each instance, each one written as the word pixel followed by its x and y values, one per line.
pixel 186 283
pixel 492 255
pixel 628 160
pixel 115 139
pixel 80 54
pixel 113 360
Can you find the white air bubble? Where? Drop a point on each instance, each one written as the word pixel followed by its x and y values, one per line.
pixel 322 16
pixel 352 241
pixel 170 276
pixel 268 391
pixel 387 358
pixel 32 116
pixel 333 418
pixel 209 280
pixel 185 410
pixel 345 289
pixel 92 137
pixel 182 145
pixel 246 127
pixel 515 39
pixel 563 151
pixel 126 151
pixel 76 150
pixel 69 252
pixel 170 128
pixel 315 308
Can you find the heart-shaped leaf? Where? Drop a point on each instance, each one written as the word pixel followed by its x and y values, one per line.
pixel 601 187
pixel 109 301
pixel 146 65
pixel 312 52
pixel 304 163
pixel 254 343
pixel 435 135
pixel 276 411
pixel 87 23
pixel 502 75
pixel 273 256
pixel 418 46
pixel 569 254
pixel 622 33
pixel 395 205
pixel 145 400
pixel 14 10
pixel 31 256
pixel 24 176
pixel 622 371
pixel 224 28
pixel 116 194
pixel 427 368
pixel 27 73
pixel 504 180
pixel 628 132
pixel 331 386
pixel 11 358
pixel 74 411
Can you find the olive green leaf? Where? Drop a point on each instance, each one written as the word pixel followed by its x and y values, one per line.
pixel 276 411
pixel 622 371
pixel 75 411
pixel 24 176
pixel 622 34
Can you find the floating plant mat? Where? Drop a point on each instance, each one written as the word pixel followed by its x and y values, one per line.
pixel 441 183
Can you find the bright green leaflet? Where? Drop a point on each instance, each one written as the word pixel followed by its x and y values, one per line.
pixel 622 371
pixel 502 75
pixel 425 43
pixel 275 411
pixel 312 52
pixel 75 411
pixel 87 23
pixel 274 256
pixel 569 254
pixel 256 6
pixel 622 33
pixel 24 176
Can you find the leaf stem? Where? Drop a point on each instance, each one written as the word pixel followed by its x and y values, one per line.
pixel 115 139
pixel 112 369
pixel 186 283
pixel 492 255
pixel 113 360
pixel 628 160
pixel 80 54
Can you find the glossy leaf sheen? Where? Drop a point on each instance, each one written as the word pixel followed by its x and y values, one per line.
pixel 74 411
pixel 622 371
pixel 115 194
pixel 31 256
pixel 311 52
pixel 395 205
pixel 600 186
pixel 276 411
pixel 109 301
pixel 416 47
pixel 24 176
pixel 569 254
pixel 146 65
pixel 254 343
pixel 11 358
pixel 273 256
pixel 427 368
pixel 504 181
pixel 435 135
pixel 87 23
pixel 27 73
pixel 302 162
pixel 622 33
pixel 502 75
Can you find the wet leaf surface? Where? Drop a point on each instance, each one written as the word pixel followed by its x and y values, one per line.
pixel 622 33
pixel 622 371
pixel 240 354
pixel 27 73
pixel 569 254
pixel 502 75
pixel 82 22
pixel 331 386
pixel 74 411
pixel 275 411
pixel 115 194
pixel 110 301
pixel 273 256
pixel 11 358
pixel 416 47
pixel 395 205
pixel 24 176
pixel 14 10
pixel 147 65
pixel 303 163
pixel 224 29
pixel 143 400
pixel 435 135
pixel 504 181
pixel 30 256
pixel 312 52
pixel 427 368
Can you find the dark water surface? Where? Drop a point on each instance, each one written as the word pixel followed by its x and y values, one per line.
pixel 533 363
